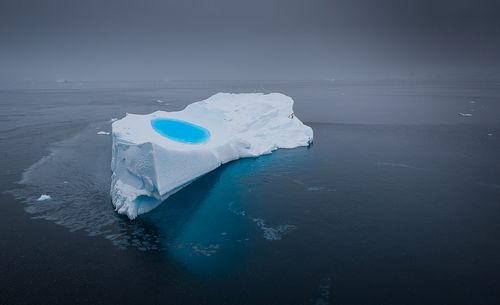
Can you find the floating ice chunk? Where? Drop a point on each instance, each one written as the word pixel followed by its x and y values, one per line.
pixel 465 114
pixel 273 233
pixel 44 197
pixel 162 102
pixel 472 102
pixel 113 120
pixel 152 161
pixel 205 250
pixel 315 188
pixel 490 135
pixel 103 133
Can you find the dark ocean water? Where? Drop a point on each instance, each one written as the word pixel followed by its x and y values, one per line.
pixel 397 201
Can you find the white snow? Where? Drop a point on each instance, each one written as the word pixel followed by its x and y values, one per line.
pixel 103 133
pixel 44 197
pixel 148 167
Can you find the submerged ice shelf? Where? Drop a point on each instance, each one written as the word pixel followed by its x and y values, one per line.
pixel 157 154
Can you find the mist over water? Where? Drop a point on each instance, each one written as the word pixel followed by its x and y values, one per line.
pixel 261 39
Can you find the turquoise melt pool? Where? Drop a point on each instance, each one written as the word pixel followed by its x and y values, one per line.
pixel 180 131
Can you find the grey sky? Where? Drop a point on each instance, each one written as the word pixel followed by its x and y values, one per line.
pixel 258 39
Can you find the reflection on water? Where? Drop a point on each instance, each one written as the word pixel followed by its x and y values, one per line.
pixel 192 226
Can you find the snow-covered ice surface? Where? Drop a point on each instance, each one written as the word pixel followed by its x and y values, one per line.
pixel 148 167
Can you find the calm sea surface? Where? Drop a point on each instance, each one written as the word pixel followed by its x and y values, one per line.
pixel 397 201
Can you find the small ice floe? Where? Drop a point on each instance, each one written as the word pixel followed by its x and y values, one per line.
pixel 103 133
pixel 62 81
pixel 402 165
pixel 162 102
pixel 465 114
pixel 44 197
pixel 472 102
pixel 490 135
pixel 113 120
pixel 315 188
pixel 270 233
pixel 205 250
pixel 273 233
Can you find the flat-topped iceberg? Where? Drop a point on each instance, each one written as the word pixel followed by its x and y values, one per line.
pixel 157 154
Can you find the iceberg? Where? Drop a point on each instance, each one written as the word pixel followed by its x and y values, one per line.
pixel 44 197
pixel 157 154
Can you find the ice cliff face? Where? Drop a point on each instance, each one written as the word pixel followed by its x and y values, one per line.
pixel 148 166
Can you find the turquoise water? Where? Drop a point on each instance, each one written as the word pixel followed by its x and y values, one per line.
pixel 180 131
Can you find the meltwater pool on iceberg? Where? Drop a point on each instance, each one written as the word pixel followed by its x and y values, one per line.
pixel 180 131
